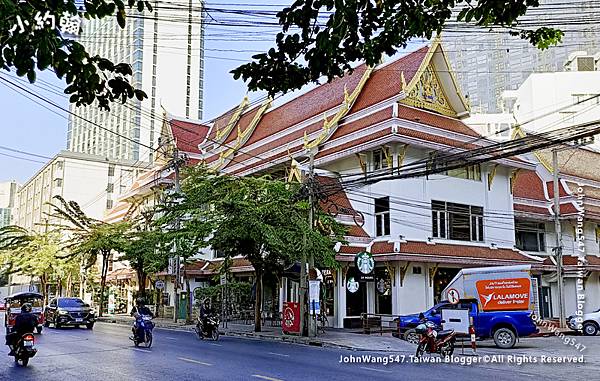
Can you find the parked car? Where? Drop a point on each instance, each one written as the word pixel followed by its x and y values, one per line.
pixel 504 327
pixel 590 323
pixel 69 311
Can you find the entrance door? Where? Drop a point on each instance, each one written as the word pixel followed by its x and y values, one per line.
pixel 545 302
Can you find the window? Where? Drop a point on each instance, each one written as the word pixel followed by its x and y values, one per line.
pixel 457 221
pixel 58 183
pixel 530 236
pixel 111 170
pixel 416 270
pixel 382 216
pixel 471 172
pixel 380 159
pixel 109 204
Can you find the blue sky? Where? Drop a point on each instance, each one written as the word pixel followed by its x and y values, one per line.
pixel 29 127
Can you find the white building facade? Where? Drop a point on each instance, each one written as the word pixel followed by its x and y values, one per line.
pixel 8 201
pixel 94 182
pixel 165 50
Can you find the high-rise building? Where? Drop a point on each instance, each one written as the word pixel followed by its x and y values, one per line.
pixel 165 50
pixel 8 195
pixel 488 63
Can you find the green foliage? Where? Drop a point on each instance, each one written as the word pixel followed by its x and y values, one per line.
pixel 366 30
pixel 239 297
pixel 89 78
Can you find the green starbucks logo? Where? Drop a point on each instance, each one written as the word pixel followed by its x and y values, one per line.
pixel 364 262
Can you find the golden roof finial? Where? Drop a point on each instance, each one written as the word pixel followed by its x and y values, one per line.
pixel 403 80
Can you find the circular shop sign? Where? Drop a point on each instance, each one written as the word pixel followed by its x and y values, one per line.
pixel 159 284
pixel 364 262
pixel 352 285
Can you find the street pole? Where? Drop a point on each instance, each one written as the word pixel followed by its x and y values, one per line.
pixel 176 260
pixel 312 328
pixel 557 228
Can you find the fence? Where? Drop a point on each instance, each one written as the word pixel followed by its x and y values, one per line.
pixel 378 323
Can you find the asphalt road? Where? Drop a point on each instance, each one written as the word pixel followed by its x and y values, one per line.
pixel 107 354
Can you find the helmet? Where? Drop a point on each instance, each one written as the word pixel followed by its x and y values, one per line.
pixel 139 301
pixel 26 307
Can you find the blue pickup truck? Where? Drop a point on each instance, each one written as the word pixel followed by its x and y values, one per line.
pixel 504 327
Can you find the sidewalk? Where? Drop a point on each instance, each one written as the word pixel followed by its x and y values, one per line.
pixel 333 338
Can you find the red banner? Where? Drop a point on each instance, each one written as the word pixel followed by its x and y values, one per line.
pixel 290 321
pixel 504 294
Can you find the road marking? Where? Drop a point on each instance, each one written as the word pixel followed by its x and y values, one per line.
pixel 194 361
pixel 279 354
pixel 142 350
pixel 216 345
pixel 376 370
pixel 266 378
pixel 170 338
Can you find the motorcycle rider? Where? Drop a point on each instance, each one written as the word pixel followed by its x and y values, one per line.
pixel 205 312
pixel 25 322
pixel 139 309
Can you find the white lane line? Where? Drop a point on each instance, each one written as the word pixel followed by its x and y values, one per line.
pixel 216 345
pixel 279 354
pixel 376 370
pixel 266 378
pixel 170 338
pixel 194 361
pixel 142 350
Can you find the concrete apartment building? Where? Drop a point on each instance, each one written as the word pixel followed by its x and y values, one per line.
pixel 165 50
pixel 8 196
pixel 94 182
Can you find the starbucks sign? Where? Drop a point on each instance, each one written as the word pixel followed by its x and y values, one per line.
pixel 352 285
pixel 364 262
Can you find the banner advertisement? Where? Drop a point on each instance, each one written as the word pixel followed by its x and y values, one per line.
pixel 504 294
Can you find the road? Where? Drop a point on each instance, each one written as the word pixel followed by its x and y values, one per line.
pixel 106 354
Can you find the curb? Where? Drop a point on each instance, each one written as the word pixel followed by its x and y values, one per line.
pixel 256 336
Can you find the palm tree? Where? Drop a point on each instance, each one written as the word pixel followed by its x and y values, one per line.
pixel 90 239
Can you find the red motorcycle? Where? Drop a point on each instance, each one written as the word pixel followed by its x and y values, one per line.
pixel 433 340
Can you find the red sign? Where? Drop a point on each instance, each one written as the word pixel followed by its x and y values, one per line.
pixel 504 294
pixel 290 321
pixel 453 296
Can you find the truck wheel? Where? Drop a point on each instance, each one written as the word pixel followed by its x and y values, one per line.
pixel 505 338
pixel 590 329
pixel 411 336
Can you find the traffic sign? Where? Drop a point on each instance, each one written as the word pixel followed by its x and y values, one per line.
pixel 453 296
pixel 159 284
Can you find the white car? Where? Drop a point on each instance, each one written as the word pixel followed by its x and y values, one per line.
pixel 591 323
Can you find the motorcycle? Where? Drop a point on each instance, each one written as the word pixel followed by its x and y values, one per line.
pixel 142 329
pixel 434 340
pixel 210 329
pixel 25 349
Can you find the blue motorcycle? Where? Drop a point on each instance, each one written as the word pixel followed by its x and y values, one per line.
pixel 142 328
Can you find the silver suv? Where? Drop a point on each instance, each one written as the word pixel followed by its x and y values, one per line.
pixel 591 323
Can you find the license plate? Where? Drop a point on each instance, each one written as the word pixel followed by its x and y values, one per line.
pixel 28 343
pixel 78 320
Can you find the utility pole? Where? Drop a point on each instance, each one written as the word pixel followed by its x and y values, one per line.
pixel 176 163
pixel 312 323
pixel 310 260
pixel 557 228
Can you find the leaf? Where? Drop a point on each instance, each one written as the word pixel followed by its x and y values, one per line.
pixel 121 16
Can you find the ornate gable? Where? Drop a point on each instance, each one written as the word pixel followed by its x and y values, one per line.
pixel 434 87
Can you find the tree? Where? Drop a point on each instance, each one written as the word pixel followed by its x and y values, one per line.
pixel 257 218
pixel 145 250
pixel 37 255
pixel 90 239
pixel 25 47
pixel 366 30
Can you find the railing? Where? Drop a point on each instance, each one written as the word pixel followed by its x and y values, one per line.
pixel 378 323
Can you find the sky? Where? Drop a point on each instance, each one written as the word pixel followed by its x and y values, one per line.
pixel 29 127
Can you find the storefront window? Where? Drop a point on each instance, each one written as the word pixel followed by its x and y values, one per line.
pixel 356 302
pixel 383 291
